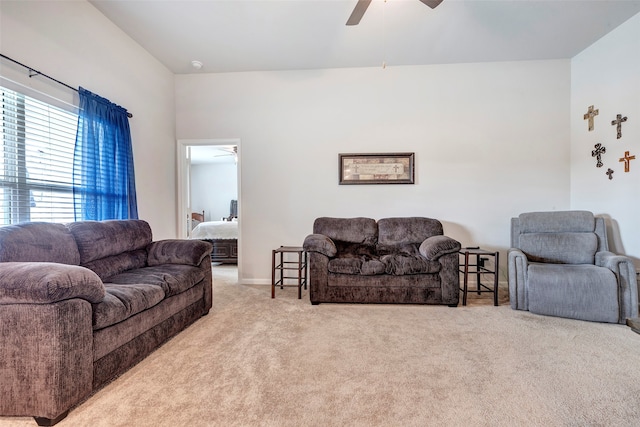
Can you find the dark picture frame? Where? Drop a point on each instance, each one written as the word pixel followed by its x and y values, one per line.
pixel 376 168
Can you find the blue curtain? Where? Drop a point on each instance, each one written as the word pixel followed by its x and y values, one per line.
pixel 103 176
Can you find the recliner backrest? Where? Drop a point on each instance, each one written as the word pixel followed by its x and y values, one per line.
pixel 566 237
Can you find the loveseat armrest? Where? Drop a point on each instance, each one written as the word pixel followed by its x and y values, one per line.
pixel 625 272
pixel 47 282
pixel 434 247
pixel 321 244
pixel 178 251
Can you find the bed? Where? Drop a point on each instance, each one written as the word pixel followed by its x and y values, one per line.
pixel 223 235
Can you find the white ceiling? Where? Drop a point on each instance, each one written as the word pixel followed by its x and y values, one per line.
pixel 208 154
pixel 259 35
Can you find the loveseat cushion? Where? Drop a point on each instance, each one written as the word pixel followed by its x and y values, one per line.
pixel 395 231
pixel 46 282
pixel 402 264
pixel 172 278
pixel 123 301
pixel 100 239
pixel 39 242
pixel 352 230
pixel 356 266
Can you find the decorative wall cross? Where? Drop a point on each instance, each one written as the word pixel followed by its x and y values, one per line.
pixel 597 153
pixel 618 122
pixel 610 173
pixel 626 159
pixel 589 115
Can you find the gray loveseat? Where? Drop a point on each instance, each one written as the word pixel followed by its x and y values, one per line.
pixel 393 260
pixel 82 303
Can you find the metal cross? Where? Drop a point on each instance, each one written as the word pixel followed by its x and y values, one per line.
pixel 626 159
pixel 610 173
pixel 597 153
pixel 618 122
pixel 589 115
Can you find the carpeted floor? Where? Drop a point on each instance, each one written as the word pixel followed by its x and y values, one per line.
pixel 257 361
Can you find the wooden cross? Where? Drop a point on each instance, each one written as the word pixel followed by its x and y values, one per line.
pixel 597 153
pixel 610 173
pixel 589 115
pixel 626 159
pixel 618 122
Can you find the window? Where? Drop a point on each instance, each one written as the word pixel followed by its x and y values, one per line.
pixel 36 160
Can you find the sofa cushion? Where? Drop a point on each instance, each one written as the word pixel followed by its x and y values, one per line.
pixel 100 239
pixel 395 231
pixel 172 278
pixel 112 265
pixel 39 242
pixel 353 230
pixel 177 251
pixel 123 301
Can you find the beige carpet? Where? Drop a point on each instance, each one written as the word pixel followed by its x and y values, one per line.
pixel 254 361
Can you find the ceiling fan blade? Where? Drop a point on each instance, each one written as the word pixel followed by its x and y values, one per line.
pixel 431 3
pixel 358 11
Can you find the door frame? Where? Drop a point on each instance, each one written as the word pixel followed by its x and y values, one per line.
pixel 184 185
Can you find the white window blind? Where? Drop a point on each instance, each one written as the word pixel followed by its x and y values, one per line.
pixel 36 160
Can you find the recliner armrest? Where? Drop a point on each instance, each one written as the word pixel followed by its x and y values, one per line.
pixel 625 271
pixel 47 282
pixel 321 244
pixel 612 261
pixel 434 247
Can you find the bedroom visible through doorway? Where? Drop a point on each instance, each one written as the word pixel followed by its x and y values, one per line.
pixel 210 193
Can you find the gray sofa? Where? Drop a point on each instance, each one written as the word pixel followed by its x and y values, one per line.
pixel 560 265
pixel 393 260
pixel 82 303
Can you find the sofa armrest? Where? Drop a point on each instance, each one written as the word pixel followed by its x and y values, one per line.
pixel 625 272
pixel 435 246
pixel 47 282
pixel 321 244
pixel 178 251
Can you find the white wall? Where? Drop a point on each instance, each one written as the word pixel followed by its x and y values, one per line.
pixel 73 42
pixel 491 141
pixel 607 75
pixel 213 186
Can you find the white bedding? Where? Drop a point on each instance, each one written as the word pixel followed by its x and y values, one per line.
pixel 215 230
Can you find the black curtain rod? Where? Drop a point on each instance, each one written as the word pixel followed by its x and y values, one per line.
pixel 34 72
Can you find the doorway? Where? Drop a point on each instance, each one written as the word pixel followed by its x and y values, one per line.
pixel 192 156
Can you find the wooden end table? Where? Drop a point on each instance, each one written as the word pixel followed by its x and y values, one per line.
pixel 284 265
pixel 478 269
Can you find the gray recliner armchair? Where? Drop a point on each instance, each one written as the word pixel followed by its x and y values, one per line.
pixel 559 265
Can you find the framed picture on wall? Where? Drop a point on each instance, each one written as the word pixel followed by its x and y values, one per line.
pixel 376 168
